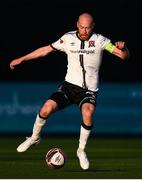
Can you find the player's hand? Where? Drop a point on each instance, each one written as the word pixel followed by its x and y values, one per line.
pixel 120 45
pixel 14 63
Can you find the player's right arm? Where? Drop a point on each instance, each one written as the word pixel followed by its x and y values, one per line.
pixel 40 52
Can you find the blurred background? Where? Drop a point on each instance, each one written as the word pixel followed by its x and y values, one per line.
pixel 30 24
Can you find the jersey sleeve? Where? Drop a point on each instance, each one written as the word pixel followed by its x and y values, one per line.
pixel 103 41
pixel 109 47
pixel 59 44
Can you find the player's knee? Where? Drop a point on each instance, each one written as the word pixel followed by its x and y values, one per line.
pixel 47 109
pixel 88 110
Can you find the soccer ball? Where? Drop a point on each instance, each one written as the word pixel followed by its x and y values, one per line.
pixel 55 158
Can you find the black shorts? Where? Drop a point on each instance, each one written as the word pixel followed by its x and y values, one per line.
pixel 68 94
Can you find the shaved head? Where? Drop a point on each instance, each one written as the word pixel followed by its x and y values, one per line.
pixel 86 17
pixel 85 25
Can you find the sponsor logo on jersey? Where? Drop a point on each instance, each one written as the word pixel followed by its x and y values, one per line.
pixel 82 51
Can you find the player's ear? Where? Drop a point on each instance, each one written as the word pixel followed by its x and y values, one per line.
pixel 93 25
pixel 77 24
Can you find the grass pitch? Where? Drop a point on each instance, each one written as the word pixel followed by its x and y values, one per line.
pixel 110 158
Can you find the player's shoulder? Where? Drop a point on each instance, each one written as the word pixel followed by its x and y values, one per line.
pixel 100 37
pixel 70 33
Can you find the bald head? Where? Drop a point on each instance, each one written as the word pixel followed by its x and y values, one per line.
pixel 86 17
pixel 85 24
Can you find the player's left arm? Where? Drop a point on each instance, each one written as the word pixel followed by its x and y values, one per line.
pixel 119 49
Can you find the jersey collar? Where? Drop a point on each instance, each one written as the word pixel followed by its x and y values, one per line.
pixel 80 38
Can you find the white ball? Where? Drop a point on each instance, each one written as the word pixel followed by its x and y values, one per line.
pixel 55 158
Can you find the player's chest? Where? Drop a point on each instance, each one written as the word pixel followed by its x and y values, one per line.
pixel 88 48
pixel 78 45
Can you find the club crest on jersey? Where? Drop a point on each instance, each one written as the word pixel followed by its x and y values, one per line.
pixel 91 43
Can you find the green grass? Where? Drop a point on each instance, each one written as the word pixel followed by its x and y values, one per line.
pixel 110 158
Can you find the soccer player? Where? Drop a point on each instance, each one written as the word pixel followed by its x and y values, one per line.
pixel 84 49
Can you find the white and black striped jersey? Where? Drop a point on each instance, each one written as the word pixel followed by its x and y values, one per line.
pixel 84 58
